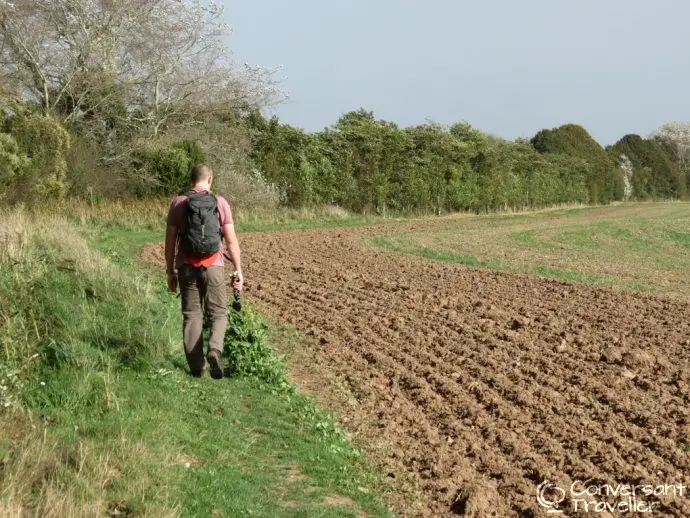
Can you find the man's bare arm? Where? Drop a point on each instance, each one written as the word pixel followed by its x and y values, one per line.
pixel 233 247
pixel 170 243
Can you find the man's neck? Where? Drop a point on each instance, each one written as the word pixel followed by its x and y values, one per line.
pixel 202 186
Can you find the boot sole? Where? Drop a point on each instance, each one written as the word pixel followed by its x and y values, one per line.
pixel 215 368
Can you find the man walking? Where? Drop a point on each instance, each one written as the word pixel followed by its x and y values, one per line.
pixel 198 222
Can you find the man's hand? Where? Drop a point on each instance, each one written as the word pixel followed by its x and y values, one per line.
pixel 238 282
pixel 234 253
pixel 172 282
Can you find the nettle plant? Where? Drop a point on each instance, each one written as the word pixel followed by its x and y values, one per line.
pixel 248 353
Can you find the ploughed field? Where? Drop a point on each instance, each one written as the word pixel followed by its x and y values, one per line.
pixel 479 383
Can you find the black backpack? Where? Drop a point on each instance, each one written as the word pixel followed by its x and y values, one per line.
pixel 202 234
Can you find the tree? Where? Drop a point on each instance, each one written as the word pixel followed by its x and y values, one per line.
pixel 151 62
pixel 374 146
pixel 678 134
pixel 606 181
pixel 278 151
pixel 654 169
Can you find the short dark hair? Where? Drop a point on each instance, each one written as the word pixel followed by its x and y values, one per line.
pixel 199 173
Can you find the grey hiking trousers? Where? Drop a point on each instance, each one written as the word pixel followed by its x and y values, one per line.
pixel 203 294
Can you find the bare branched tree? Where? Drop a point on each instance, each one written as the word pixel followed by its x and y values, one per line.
pixel 678 134
pixel 149 62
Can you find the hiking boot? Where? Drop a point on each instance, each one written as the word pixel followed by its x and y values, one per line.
pixel 213 359
pixel 199 373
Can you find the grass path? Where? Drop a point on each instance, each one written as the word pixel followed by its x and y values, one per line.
pixel 111 422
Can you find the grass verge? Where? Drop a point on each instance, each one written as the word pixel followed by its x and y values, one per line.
pixel 100 417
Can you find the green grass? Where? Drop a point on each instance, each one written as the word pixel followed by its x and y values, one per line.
pixel 682 238
pixel 104 417
pixel 569 275
pixel 206 445
pixel 389 243
pixel 528 238
pixel 632 246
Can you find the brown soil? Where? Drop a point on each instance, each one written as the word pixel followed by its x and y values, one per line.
pixel 482 384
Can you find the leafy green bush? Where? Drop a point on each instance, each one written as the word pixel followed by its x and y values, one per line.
pixel 361 163
pixel 12 161
pixel 46 142
pixel 278 149
pixel 168 168
pixel 248 353
pixel 193 151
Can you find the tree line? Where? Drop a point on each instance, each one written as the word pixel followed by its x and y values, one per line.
pixel 371 165
pixel 119 98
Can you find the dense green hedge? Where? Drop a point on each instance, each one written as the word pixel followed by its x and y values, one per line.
pixel 369 165
pixel 604 179
pixel 360 163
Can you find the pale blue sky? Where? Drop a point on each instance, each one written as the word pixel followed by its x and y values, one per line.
pixel 508 67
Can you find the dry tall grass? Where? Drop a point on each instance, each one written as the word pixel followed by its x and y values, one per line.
pixel 20 229
pixel 151 213
pixel 48 478
pixel 43 478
